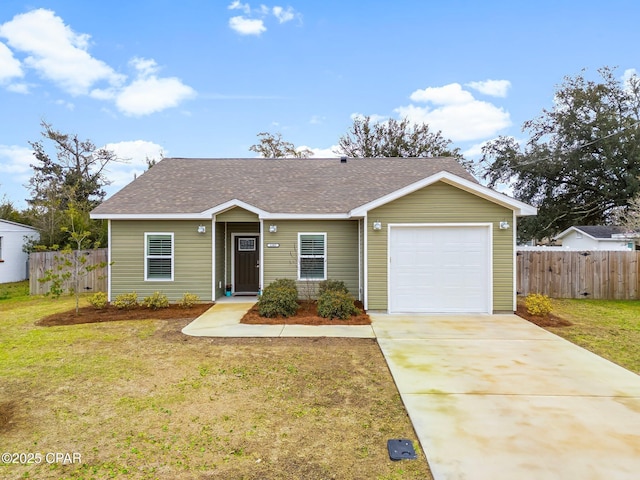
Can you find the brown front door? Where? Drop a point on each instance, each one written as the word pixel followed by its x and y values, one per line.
pixel 247 264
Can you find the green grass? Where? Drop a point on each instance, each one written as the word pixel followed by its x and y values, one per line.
pixel 609 328
pixel 139 400
pixel 16 291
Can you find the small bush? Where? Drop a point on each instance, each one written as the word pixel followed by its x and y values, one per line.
pixel 538 305
pixel 336 304
pixel 155 301
pixel 285 283
pixel 125 301
pixel 279 298
pixel 188 300
pixel 332 285
pixel 98 300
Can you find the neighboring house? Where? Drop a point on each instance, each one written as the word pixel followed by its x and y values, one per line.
pixel 404 234
pixel 13 260
pixel 597 237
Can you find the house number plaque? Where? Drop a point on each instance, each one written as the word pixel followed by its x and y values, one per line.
pixel 273 245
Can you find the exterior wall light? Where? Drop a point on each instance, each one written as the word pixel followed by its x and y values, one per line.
pixel 504 225
pixel 377 225
pixel 273 228
pixel 202 229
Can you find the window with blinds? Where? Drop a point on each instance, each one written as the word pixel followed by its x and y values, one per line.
pixel 312 260
pixel 158 256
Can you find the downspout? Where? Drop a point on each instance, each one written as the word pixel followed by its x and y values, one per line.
pixel 360 259
pixel 515 261
pixel 262 244
pixel 226 281
pixel 109 277
pixel 366 263
pixel 213 258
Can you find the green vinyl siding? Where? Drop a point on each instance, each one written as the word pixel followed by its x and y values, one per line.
pixel 341 252
pixel 441 203
pixel 192 259
pixel 237 214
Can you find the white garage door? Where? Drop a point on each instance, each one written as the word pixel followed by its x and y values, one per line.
pixel 440 269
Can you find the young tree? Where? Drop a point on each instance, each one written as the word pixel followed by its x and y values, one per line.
pixel 582 159
pixel 273 146
pixel 77 175
pixel 70 264
pixel 393 138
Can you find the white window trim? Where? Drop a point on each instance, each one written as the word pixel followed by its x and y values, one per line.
pixel 324 277
pixel 146 257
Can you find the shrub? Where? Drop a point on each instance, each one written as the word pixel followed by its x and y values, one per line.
pixel 279 298
pixel 125 301
pixel 285 283
pixel 188 300
pixel 98 300
pixel 537 304
pixel 336 304
pixel 332 285
pixel 155 301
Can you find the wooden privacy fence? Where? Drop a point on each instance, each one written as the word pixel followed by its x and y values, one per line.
pixel 613 275
pixel 40 262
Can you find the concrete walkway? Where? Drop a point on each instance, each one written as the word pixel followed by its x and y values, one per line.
pixel 223 320
pixel 495 397
pixel 491 396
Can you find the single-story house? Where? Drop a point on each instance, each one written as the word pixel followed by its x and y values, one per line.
pixel 13 259
pixel 598 237
pixel 404 234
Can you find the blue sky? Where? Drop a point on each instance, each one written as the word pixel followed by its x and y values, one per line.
pixel 200 78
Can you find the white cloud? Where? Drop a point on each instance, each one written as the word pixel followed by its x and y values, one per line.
pixel 494 88
pixel 15 172
pixel 247 26
pixel 252 22
pixel 144 66
pixel 627 76
pixel 283 15
pixel 628 73
pixel 322 152
pixel 456 113
pixel 18 88
pixel 59 54
pixel 15 159
pixel 9 66
pixel 151 94
pixel 374 117
pixel 237 5
pixel 134 155
pixel 448 95
pixel 56 52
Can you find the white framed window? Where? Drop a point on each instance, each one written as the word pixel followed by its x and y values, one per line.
pixel 158 256
pixel 312 256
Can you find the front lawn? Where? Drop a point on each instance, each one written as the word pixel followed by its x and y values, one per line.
pixel 610 328
pixel 138 399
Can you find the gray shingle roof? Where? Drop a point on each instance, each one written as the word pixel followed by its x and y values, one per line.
pixel 600 231
pixel 297 186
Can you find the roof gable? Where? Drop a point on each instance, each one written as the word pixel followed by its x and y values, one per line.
pixel 7 225
pixel 596 232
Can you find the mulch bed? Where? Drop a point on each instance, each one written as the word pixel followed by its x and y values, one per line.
pixel 307 315
pixel 550 320
pixel 111 314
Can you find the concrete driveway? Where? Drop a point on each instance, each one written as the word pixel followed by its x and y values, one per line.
pixel 495 397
